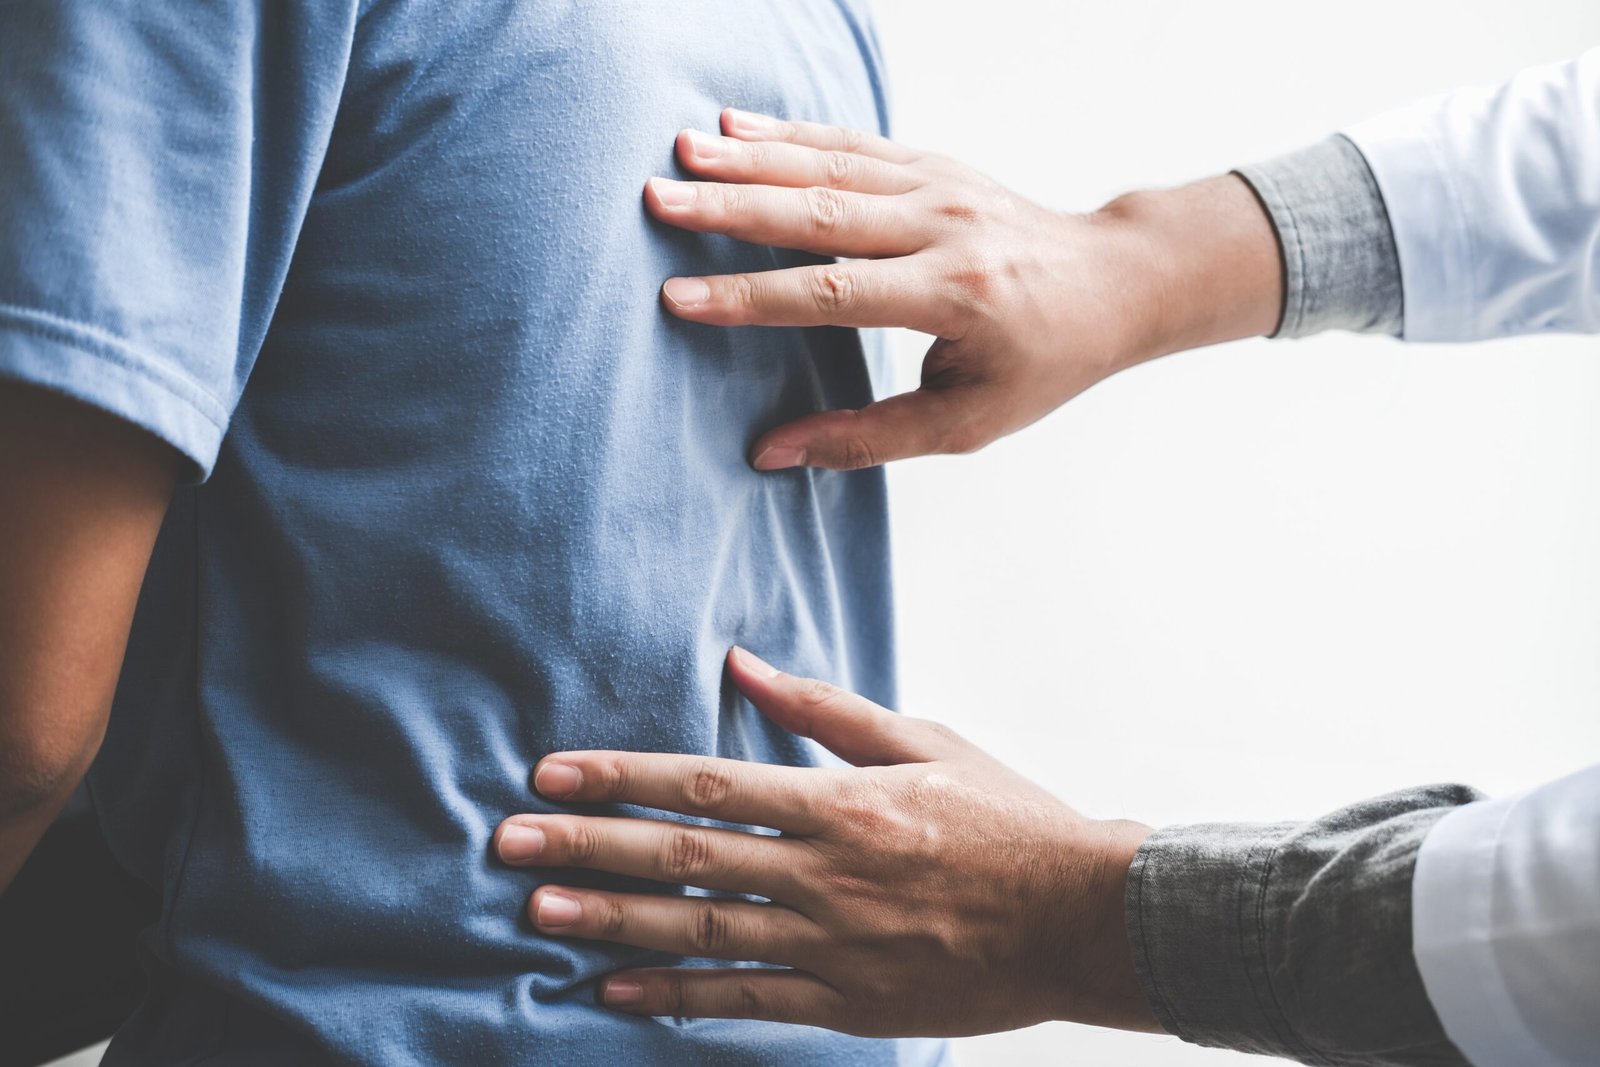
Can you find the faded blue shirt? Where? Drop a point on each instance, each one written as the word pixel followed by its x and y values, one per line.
pixel 462 494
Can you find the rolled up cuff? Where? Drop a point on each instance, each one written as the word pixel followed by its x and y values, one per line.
pixel 1340 267
pixel 1193 897
pixel 1292 939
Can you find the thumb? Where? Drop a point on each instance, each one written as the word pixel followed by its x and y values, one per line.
pixel 850 726
pixel 918 423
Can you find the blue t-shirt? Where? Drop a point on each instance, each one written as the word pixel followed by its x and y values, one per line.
pixel 461 494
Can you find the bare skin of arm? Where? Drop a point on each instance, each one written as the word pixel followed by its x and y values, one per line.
pixel 1028 306
pixel 82 495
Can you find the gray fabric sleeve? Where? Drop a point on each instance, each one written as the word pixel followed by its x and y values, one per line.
pixel 1292 939
pixel 1340 267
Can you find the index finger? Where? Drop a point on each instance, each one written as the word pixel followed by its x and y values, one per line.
pixel 753 794
pixel 750 126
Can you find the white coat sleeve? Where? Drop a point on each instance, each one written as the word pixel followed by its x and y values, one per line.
pixel 1505 912
pixel 1494 198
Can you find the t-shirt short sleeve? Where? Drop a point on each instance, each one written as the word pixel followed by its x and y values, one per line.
pixel 156 161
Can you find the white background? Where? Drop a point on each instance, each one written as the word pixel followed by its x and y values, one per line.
pixel 1267 579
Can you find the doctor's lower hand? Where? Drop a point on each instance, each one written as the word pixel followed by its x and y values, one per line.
pixel 1028 306
pixel 928 890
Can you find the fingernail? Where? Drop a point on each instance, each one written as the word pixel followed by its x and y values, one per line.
pixel 704 146
pixel 672 194
pixel 754 663
pixel 518 844
pixel 748 121
pixel 687 292
pixel 557 780
pixel 557 910
pixel 779 457
pixel 621 994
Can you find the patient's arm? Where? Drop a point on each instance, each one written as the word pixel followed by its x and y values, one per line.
pixel 82 495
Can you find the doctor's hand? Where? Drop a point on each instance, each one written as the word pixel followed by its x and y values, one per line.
pixel 1028 306
pixel 927 891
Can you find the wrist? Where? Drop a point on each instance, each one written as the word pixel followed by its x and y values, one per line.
pixel 1202 266
pixel 1103 988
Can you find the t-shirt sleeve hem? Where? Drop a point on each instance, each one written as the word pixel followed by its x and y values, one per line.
pixel 88 365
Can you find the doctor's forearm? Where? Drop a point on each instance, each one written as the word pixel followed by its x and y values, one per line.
pixel 1303 244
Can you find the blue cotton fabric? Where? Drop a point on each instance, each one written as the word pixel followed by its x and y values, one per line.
pixel 460 493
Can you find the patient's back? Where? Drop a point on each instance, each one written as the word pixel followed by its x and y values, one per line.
pixel 479 499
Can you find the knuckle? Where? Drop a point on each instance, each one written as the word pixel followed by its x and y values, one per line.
pixel 751 1003
pixel 729 200
pixel 674 993
pixel 757 155
pixel 816 693
pixel 610 916
pixel 973 279
pixel 743 290
pixel 711 931
pixel 582 841
pixel 787 131
pixel 741 293
pixel 856 801
pixel 851 140
pixel 686 854
pixel 707 787
pixel 959 212
pixel 856 452
pixel 834 290
pixel 613 774
pixel 825 209
pixel 899 820
pixel 838 169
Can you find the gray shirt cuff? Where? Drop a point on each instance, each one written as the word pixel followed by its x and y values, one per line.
pixel 1340 267
pixel 1292 939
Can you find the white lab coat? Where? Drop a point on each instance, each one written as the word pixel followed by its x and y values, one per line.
pixel 1494 198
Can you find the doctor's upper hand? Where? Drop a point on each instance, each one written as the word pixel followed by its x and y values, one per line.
pixel 928 890
pixel 1028 307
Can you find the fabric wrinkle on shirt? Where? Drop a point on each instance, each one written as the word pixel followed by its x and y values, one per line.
pixel 464 494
